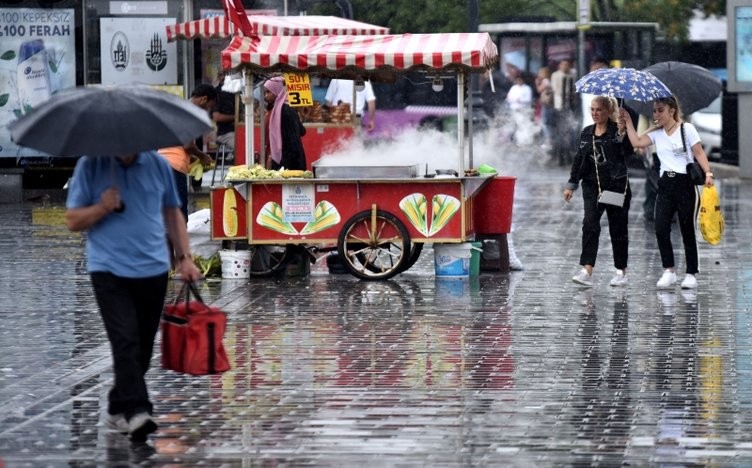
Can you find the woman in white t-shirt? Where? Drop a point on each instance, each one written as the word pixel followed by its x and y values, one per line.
pixel 676 143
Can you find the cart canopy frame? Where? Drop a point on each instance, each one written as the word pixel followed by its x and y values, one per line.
pixel 219 27
pixel 364 57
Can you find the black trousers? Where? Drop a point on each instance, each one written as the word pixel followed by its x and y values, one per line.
pixel 677 195
pixel 618 220
pixel 131 309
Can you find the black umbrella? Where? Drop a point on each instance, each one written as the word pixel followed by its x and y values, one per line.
pixel 694 86
pixel 109 122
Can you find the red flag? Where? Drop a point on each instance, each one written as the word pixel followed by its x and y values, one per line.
pixel 235 12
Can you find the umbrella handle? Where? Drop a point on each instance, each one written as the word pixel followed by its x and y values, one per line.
pixel 121 207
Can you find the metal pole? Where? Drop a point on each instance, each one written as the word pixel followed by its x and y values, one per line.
pixel 461 120
pixel 581 53
pixel 248 117
pixel 472 26
pixel 583 23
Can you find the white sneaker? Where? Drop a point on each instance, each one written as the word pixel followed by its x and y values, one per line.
pixel 140 426
pixel 690 282
pixel 620 279
pixel 667 280
pixel 583 278
pixel 117 422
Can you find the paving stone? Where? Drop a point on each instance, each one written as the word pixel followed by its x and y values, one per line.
pixel 523 369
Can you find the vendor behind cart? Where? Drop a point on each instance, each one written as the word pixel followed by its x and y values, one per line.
pixel 341 91
pixel 285 129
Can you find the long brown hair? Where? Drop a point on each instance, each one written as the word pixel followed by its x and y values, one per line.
pixel 673 103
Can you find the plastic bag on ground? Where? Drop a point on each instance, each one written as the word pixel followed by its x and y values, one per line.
pixel 199 234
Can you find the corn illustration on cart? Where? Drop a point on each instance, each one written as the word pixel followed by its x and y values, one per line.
pixel 377 218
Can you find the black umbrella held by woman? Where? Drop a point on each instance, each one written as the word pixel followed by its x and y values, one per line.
pixel 693 86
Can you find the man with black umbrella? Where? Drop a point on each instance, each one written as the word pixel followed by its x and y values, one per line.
pixel 126 205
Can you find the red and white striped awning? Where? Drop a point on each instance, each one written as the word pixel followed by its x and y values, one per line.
pixel 467 51
pixel 264 25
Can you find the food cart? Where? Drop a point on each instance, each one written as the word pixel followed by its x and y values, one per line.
pixel 377 217
pixel 324 131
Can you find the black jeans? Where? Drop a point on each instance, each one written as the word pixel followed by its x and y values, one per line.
pixel 131 309
pixel 618 220
pixel 677 194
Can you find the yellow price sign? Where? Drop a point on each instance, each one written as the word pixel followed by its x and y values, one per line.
pixel 298 89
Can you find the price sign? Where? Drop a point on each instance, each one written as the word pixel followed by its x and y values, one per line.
pixel 298 89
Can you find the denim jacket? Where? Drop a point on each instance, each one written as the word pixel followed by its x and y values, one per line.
pixel 612 151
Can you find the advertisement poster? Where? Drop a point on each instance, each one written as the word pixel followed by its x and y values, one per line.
pixel 298 203
pixel 743 44
pixel 37 59
pixel 135 51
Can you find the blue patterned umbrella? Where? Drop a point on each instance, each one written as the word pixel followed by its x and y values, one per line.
pixel 625 83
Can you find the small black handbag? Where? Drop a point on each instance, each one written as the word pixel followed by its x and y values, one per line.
pixel 694 171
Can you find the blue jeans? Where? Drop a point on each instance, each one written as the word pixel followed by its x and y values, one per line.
pixel 131 309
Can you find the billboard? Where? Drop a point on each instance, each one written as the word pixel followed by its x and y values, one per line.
pixel 37 59
pixel 739 45
pixel 136 51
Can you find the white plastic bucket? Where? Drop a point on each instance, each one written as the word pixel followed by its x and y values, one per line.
pixel 236 264
pixel 452 260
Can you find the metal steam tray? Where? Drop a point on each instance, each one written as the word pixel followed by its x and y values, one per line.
pixel 364 172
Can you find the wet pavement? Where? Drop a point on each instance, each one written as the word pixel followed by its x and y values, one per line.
pixel 522 369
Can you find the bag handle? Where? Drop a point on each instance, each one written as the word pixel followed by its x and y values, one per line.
pixel 186 290
pixel 597 176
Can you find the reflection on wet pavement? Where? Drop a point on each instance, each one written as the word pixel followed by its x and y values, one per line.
pixel 524 369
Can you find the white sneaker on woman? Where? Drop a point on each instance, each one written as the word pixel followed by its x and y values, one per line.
pixel 620 279
pixel 584 278
pixel 667 280
pixel 690 282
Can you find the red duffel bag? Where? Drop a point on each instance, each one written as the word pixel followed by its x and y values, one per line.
pixel 192 335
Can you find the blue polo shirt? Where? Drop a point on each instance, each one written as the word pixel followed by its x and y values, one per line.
pixel 131 244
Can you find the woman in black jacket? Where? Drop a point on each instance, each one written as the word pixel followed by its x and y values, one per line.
pixel 285 129
pixel 601 165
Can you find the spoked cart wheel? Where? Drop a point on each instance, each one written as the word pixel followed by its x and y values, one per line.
pixel 374 245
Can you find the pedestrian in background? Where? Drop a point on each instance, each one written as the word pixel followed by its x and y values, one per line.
pixel 285 128
pixel 129 208
pixel 601 164
pixel 546 103
pixel 180 157
pixel 565 104
pixel 519 101
pixel 223 115
pixel 676 143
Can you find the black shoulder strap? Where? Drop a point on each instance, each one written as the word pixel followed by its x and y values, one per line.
pixel 688 152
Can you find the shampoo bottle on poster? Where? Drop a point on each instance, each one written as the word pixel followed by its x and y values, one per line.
pixel 33 75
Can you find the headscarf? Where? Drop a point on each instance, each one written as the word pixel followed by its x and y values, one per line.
pixel 277 86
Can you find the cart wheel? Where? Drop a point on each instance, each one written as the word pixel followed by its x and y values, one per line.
pixel 374 245
pixel 414 255
pixel 415 251
pixel 267 260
